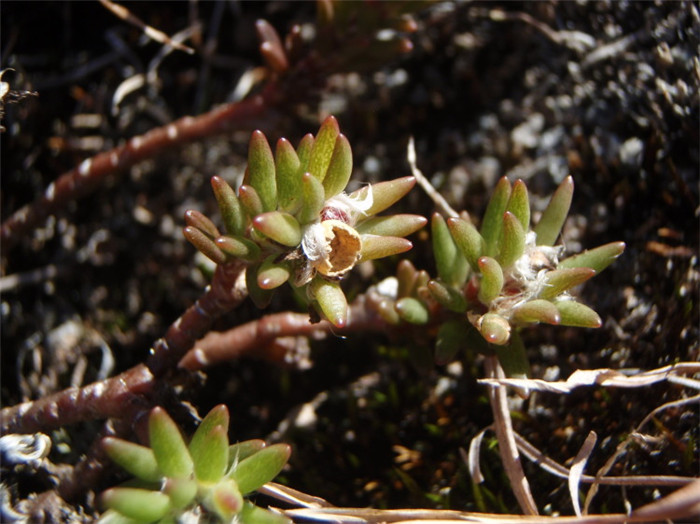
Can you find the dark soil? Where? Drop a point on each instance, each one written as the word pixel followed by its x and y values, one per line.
pixel 483 98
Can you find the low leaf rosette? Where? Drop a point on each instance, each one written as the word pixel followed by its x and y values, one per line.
pixel 292 221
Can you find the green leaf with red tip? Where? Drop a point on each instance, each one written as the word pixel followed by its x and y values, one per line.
pixel 194 218
pixel 139 504
pixel 250 200
pixel 273 274
pixel 597 259
pixel 339 168
pixel 224 499
pixel 260 468
pixel 279 226
pixel 322 150
pixel 168 446
pixel 288 176
pixel 560 280
pixel 204 244
pixel 495 329
pixel 304 153
pixel 181 491
pixel 134 458
pixel 554 215
pixel 239 247
pixel 468 240
pixel 452 266
pixel 384 194
pixel 447 296
pixel 536 311
pixel 492 224
pixel 331 300
pixel 412 310
pixel 374 246
pixel 210 454
pixel 313 199
pixel 513 243
pixel 519 204
pixel 230 208
pixel 217 416
pixel 577 315
pixel 261 170
pixel 393 225
pixel 242 450
pixel 491 282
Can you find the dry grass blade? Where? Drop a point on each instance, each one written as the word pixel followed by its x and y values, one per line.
pixel 423 182
pixel 576 471
pixel 292 496
pixel 472 458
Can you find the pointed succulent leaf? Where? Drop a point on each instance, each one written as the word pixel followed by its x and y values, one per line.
pixel 331 300
pixel 114 517
pixel 279 226
pixel 194 218
pixel 261 170
pixel 560 280
pixel 322 150
pixel 204 244
pixel 554 215
pixel 468 240
pixel 252 514
pixel 260 468
pixel 405 278
pixel 494 328
pixel 492 223
pixel 218 416
pixel 375 246
pixel 304 152
pixel 210 456
pixel 313 199
pixel 260 297
pixel 447 296
pixel 134 458
pixel 239 247
pixel 412 310
pixel 513 358
pixel 513 243
pixel 271 47
pixel 140 504
pixel 519 204
pixel 597 259
pixel 384 194
pixel 229 206
pixel 224 499
pixel 392 225
pixel 168 446
pixel 537 310
pixel 339 169
pixel 491 279
pixel 451 337
pixel 243 450
pixel 288 176
pixel 181 491
pixel 250 200
pixel 452 266
pixel 273 274
pixel 578 315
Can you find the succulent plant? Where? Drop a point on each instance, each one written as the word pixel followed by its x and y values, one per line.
pixel 172 477
pixel 291 220
pixel 501 277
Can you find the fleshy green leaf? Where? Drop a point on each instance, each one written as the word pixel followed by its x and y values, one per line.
pixel 374 246
pixel 578 315
pixel 492 223
pixel 250 200
pixel 211 458
pixel 217 416
pixel 279 226
pixel 243 450
pixel 447 296
pixel 412 310
pixel 313 199
pixel 537 311
pixel 273 274
pixel 252 514
pixel 384 194
pixel 452 266
pixel 261 170
pixel 134 458
pixel 491 279
pixel 288 176
pixel 392 225
pixel 519 204
pixel 495 329
pixel 331 300
pixel 304 153
pixel 168 446
pixel 181 491
pixel 339 169
pixel 388 312
pixel 553 217
pixel 560 280
pixel 260 297
pixel 194 218
pixel 451 337
pixel 597 259
pixel 513 243
pixel 239 247
pixel 406 277
pixel 140 504
pixel 114 517
pixel 468 240
pixel 204 244
pixel 322 150
pixel 513 358
pixel 230 208
pixel 224 498
pixel 260 468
